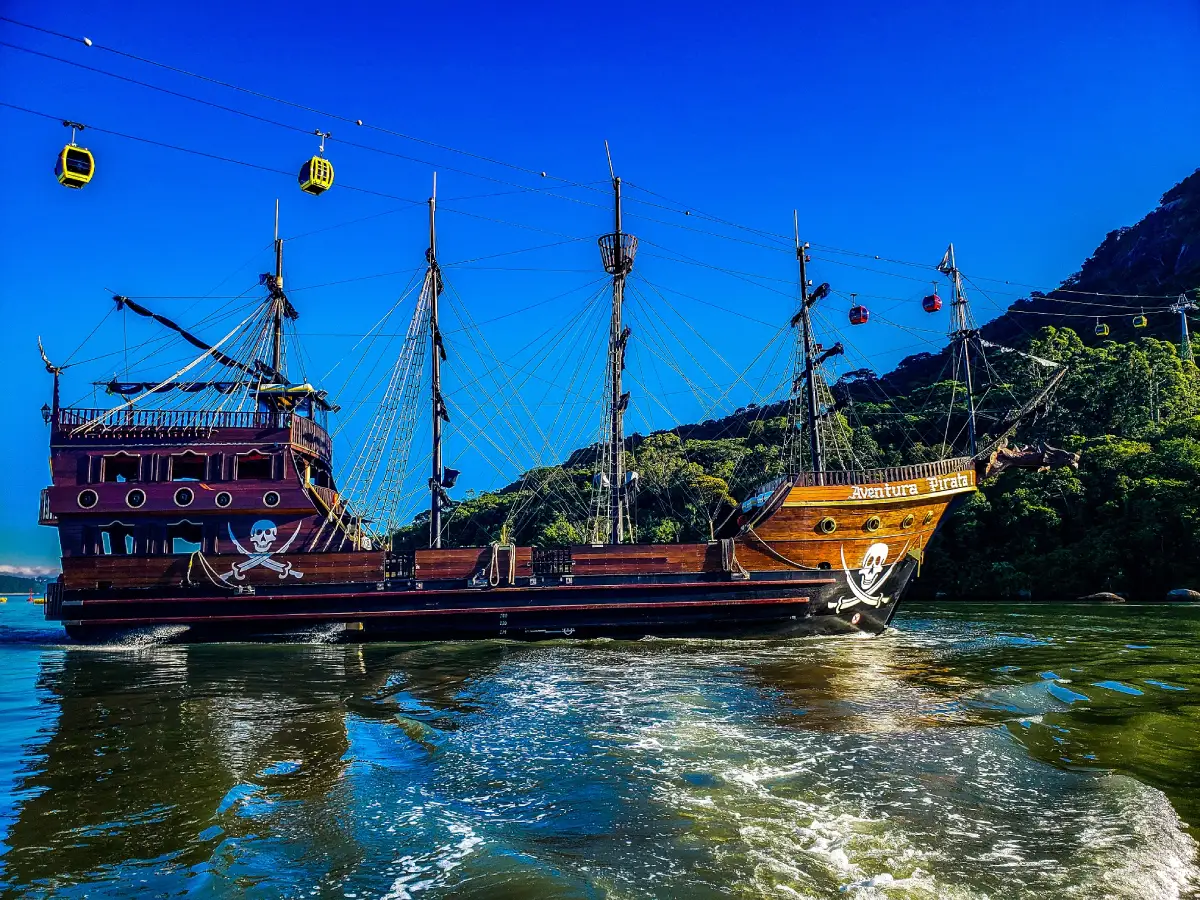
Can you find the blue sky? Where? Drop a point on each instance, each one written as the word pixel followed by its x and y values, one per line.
pixel 1023 132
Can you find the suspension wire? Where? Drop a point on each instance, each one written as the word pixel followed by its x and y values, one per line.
pixel 300 106
pixel 206 155
pixel 783 240
pixel 294 128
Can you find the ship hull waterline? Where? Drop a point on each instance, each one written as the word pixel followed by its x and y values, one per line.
pixel 771 606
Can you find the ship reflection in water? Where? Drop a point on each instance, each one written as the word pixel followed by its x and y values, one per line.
pixel 939 761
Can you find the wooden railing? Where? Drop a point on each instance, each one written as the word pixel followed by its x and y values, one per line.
pixel 106 421
pixel 890 474
pixel 312 436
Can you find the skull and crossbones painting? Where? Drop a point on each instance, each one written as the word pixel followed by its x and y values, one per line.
pixel 263 535
pixel 865 584
pixel 872 565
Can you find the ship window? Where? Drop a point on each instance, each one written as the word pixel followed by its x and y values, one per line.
pixel 188 467
pixel 116 540
pixel 253 465
pixel 120 467
pixel 185 537
pixel 319 475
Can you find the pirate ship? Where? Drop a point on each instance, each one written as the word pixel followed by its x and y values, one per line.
pixel 214 505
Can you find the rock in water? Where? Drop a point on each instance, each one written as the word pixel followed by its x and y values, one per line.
pixel 1183 595
pixel 1102 597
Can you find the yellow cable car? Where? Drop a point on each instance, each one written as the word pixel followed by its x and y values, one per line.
pixel 75 166
pixel 1101 329
pixel 1139 321
pixel 316 175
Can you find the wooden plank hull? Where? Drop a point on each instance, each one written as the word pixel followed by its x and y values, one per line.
pixel 801 603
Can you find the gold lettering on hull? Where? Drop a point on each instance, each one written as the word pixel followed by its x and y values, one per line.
pixel 933 485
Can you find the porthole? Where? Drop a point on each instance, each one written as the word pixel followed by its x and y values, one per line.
pixel 928 518
pixel 88 499
pixel 184 497
pixel 827 526
pixel 907 521
pixel 224 498
pixel 824 566
pixel 271 498
pixel 872 524
pixel 135 499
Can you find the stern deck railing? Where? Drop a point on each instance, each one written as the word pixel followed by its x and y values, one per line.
pixel 189 422
pixel 892 473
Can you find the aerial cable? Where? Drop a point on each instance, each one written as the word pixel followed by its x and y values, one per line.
pixel 213 156
pixel 287 126
pixel 358 122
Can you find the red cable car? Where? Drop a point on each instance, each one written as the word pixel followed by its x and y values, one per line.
pixel 859 315
pixel 932 303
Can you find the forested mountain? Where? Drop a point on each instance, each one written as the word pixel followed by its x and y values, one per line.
pixel 1127 521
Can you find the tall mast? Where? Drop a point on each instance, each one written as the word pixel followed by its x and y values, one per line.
pixel 277 296
pixel 616 251
pixel 434 286
pixel 961 332
pixel 810 383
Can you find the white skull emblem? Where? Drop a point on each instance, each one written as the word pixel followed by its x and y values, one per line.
pixel 872 565
pixel 262 535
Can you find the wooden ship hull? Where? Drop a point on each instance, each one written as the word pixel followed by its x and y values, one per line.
pixel 249 554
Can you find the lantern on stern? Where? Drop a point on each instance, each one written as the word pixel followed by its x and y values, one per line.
pixel 316 175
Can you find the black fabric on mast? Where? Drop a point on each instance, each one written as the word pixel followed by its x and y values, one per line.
pixel 259 367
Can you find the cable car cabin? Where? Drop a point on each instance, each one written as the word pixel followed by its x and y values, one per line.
pixel 316 176
pixel 859 315
pixel 75 166
pixel 1139 321
pixel 1101 329
pixel 932 303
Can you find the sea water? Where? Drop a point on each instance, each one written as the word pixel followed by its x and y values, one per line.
pixel 972 752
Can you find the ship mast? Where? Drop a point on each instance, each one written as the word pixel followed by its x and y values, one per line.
pixel 277 300
pixel 433 283
pixel 816 456
pixel 616 251
pixel 961 331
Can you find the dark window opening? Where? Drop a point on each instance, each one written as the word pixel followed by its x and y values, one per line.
pixel 254 465
pixel 188 467
pixel 116 540
pixel 121 468
pixel 319 475
pixel 185 537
